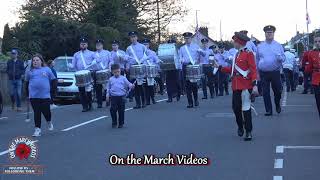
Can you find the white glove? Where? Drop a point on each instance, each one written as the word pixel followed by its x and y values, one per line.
pixel 93 62
pixel 70 65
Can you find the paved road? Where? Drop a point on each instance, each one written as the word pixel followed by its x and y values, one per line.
pixel 82 152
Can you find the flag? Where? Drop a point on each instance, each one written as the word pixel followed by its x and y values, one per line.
pixel 308 19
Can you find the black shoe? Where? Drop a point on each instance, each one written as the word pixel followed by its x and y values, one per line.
pixel 190 106
pixel 311 92
pixel 90 107
pixel 248 136
pixel 120 126
pixel 178 98
pixel 196 103
pixel 227 93
pixel 169 100
pixel 137 107
pixel 130 99
pixel 154 101
pixel 212 96
pixel 148 103
pixel 304 92
pixel 85 110
pixel 278 108
pixel 99 106
pixel 268 114
pixel 114 125
pixel 240 132
pixel 143 106
pixel 205 98
pixel 220 95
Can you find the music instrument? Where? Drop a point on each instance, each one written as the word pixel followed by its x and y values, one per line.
pixel 168 54
pixel 103 76
pixel 138 71
pixel 83 78
pixel 193 73
pixel 212 60
pixel 151 71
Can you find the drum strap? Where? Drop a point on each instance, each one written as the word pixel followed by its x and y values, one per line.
pixel 134 55
pixel 83 61
pixel 101 64
pixel 190 57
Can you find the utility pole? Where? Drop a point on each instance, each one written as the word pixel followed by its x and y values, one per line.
pixel 308 22
pixel 159 31
pixel 220 31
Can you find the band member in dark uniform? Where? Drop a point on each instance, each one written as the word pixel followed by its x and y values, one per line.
pixel 244 82
pixel 84 60
pixel 189 54
pixel 207 79
pixel 173 79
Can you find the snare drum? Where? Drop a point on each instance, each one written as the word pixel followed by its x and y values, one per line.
pixel 151 71
pixel 83 78
pixel 193 72
pixel 168 54
pixel 103 76
pixel 138 71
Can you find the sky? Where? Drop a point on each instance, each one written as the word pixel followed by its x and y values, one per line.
pixel 235 15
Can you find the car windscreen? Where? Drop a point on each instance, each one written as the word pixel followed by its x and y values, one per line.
pixel 61 65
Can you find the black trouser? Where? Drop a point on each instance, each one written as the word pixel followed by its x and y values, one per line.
pixel 97 88
pixel 85 98
pixel 139 94
pixel 160 81
pixel 207 80
pixel 307 78
pixel 191 88
pixel 242 117
pixel 40 106
pixel 295 79
pixel 132 92
pixel 317 96
pixel 173 83
pixel 273 78
pixel 117 109
pixel 289 79
pixel 149 93
pixel 223 82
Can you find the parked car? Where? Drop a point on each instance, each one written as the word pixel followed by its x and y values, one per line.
pixel 67 89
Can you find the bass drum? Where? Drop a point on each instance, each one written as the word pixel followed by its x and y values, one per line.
pixel 168 54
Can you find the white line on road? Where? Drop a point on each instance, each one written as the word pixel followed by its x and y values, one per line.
pixel 82 124
pixel 277 178
pixel 3 118
pixel 9 150
pixel 302 147
pixel 161 100
pixel 280 149
pixel 278 163
pixel 284 100
pixel 298 105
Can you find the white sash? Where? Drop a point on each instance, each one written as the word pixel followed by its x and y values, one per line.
pixel 83 61
pixel 235 66
pixel 190 58
pixel 134 55
pixel 215 70
pixel 101 63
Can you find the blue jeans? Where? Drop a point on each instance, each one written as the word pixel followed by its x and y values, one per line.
pixel 15 91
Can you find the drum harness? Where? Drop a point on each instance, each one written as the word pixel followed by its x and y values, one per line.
pixel 137 60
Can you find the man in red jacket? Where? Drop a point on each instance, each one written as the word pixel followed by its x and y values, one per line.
pixel 306 75
pixel 314 69
pixel 244 82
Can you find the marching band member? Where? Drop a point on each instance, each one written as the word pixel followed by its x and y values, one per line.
pixel 244 82
pixel 250 44
pixel 314 69
pixel 117 89
pixel 84 60
pixel 288 65
pixel 222 58
pixel 38 81
pixel 207 80
pixel 151 60
pixel 270 57
pixel 173 79
pixel 103 60
pixel 306 75
pixel 118 56
pixel 189 55
pixel 136 53
pixel 215 72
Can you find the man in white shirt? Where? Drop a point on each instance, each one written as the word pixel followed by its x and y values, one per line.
pixel 288 65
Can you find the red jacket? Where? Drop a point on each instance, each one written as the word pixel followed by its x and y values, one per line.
pixel 245 61
pixel 305 61
pixel 314 66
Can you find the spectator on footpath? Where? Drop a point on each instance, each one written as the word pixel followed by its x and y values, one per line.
pixel 50 64
pixel 15 70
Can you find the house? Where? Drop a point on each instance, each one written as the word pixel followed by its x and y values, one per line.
pixel 201 34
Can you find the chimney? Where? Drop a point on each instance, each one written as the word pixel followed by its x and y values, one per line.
pixel 204 31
